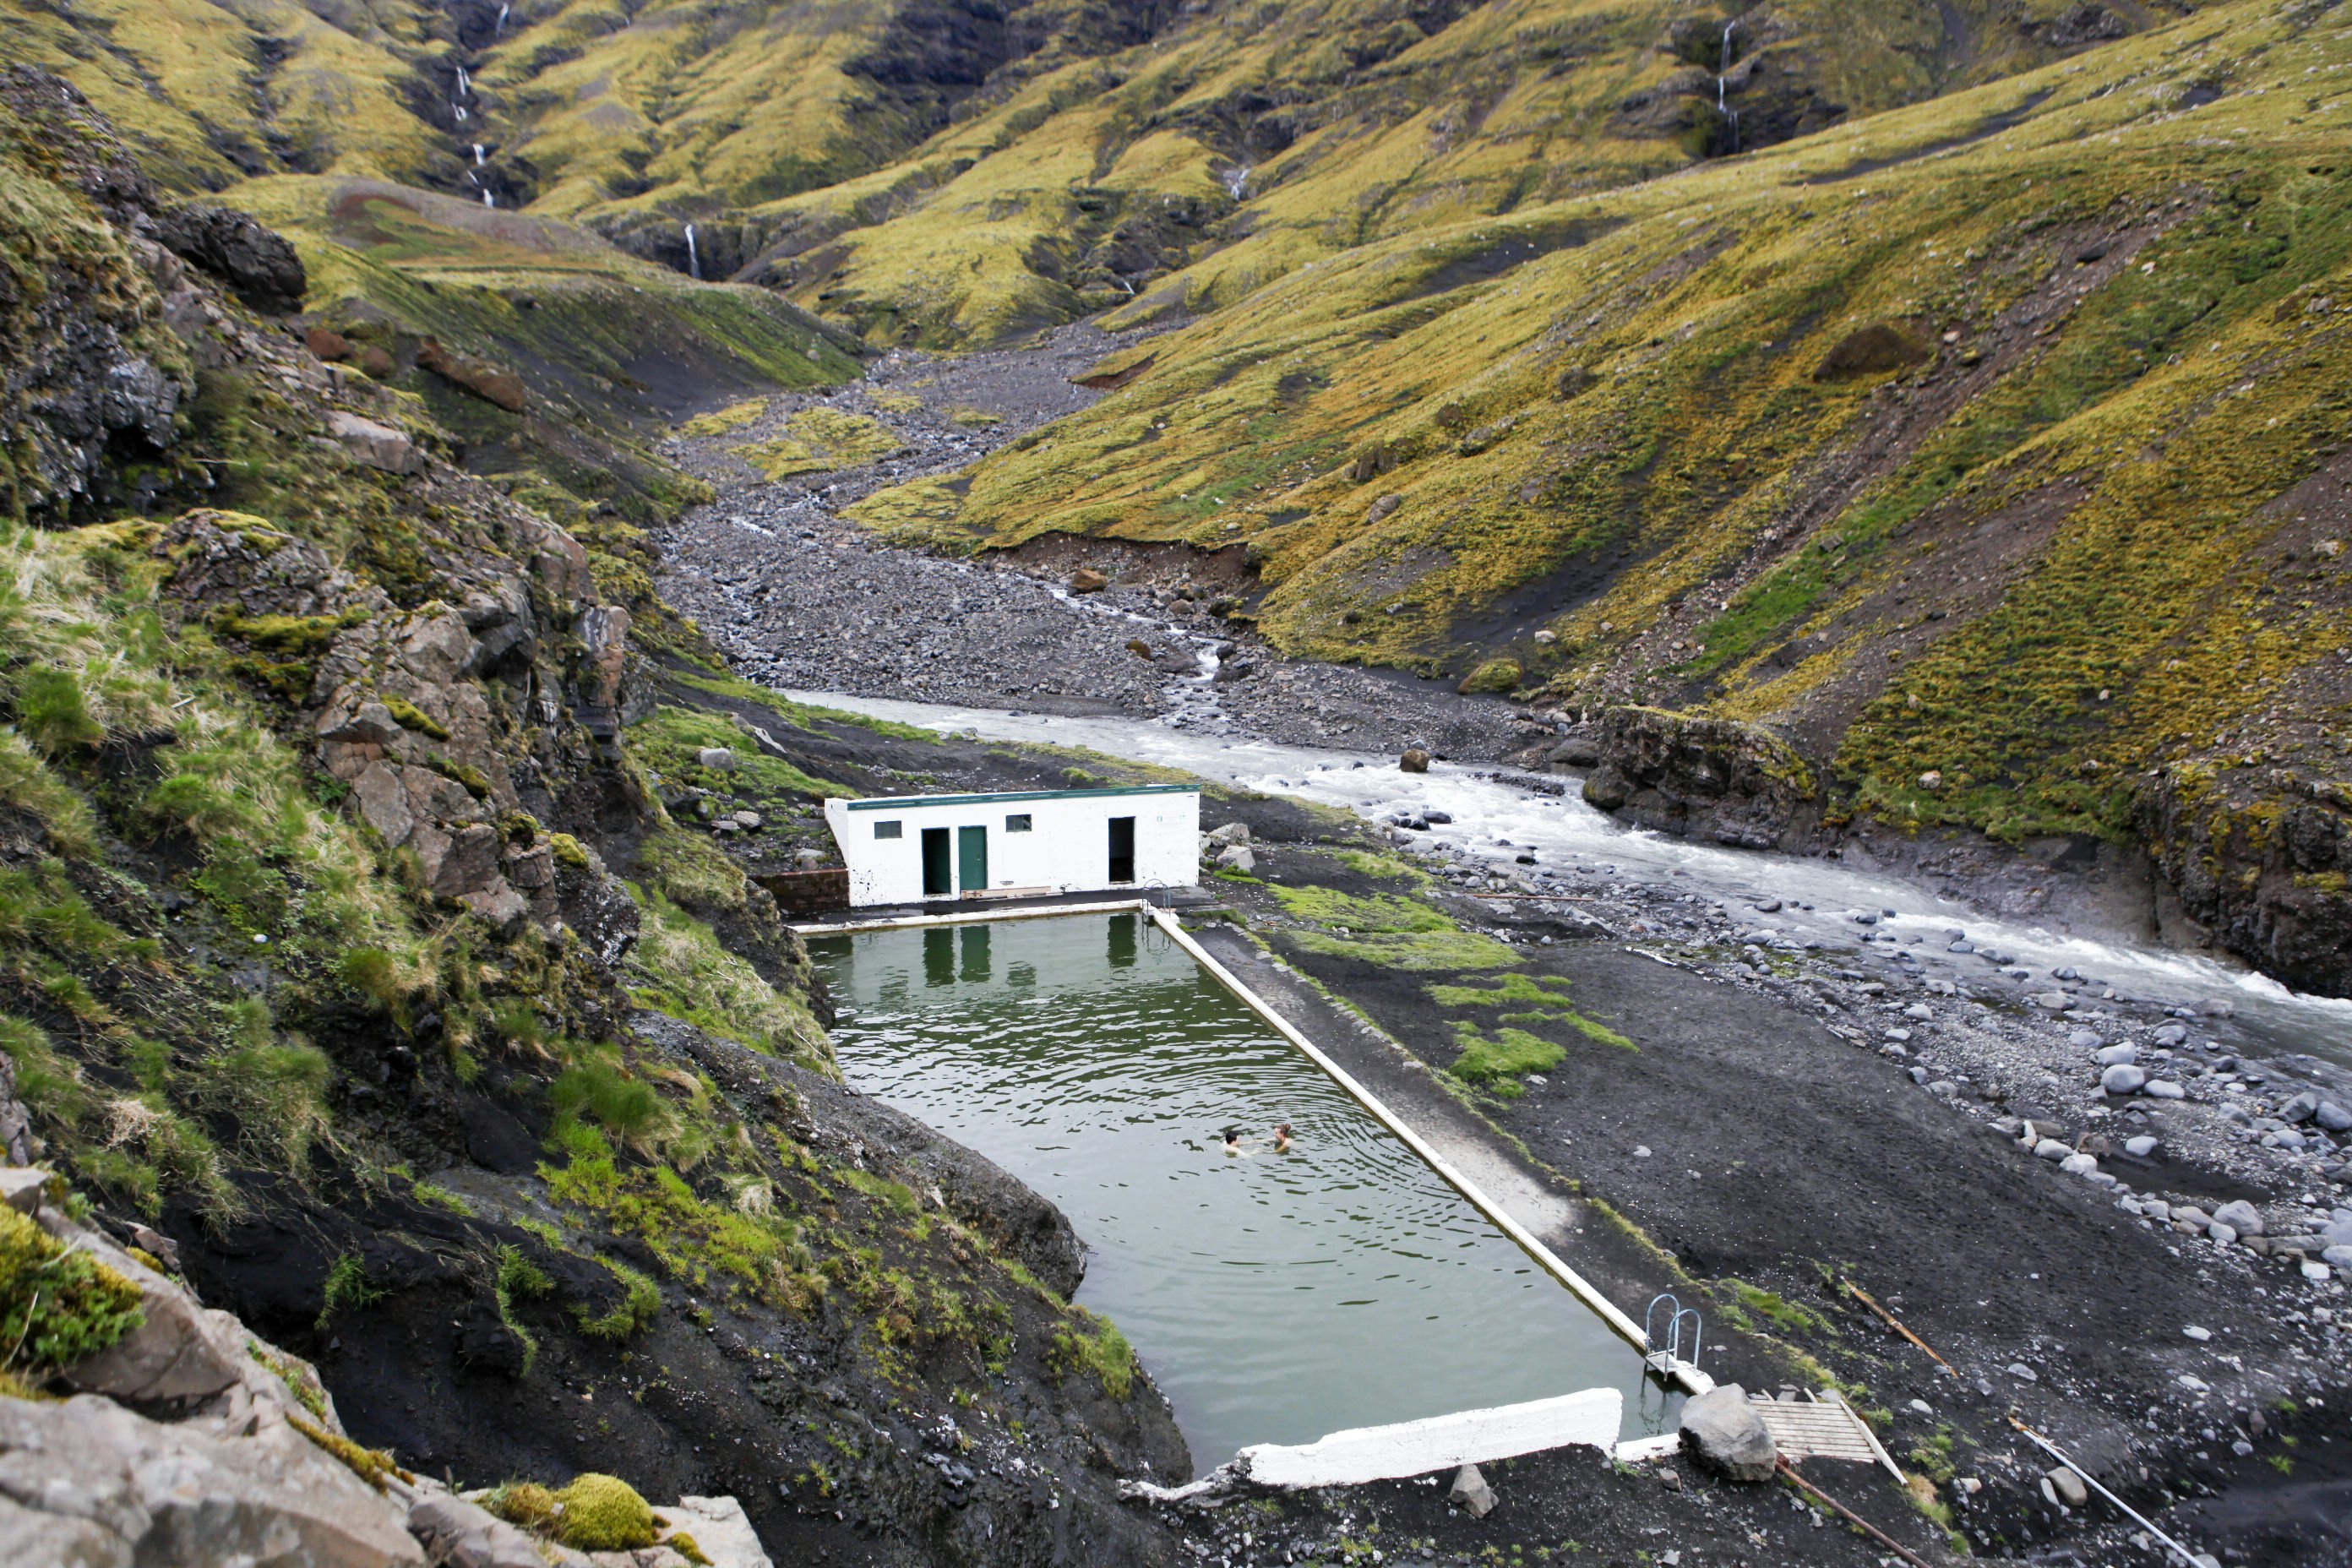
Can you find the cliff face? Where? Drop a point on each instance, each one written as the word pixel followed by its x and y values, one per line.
pixel 351 949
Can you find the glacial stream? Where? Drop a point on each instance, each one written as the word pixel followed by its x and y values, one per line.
pixel 1274 1296
pixel 1494 821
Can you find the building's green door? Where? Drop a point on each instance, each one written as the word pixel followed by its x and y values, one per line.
pixel 971 859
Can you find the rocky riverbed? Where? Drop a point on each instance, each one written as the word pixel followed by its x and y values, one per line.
pixel 801 597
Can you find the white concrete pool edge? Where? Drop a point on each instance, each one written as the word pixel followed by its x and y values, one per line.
pixel 1684 1374
pixel 1689 1376
pixel 1363 1454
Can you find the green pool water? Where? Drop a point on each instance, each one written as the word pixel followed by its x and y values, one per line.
pixel 1276 1298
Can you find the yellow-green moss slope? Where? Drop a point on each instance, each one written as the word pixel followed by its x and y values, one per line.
pixel 2078 520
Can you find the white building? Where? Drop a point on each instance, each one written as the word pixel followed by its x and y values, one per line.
pixel 917 848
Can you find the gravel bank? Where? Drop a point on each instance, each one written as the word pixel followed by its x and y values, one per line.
pixel 799 597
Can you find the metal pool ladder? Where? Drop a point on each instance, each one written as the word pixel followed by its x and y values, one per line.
pixel 1660 1358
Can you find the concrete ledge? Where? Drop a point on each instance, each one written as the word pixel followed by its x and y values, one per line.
pixel 1363 1454
pixel 1687 1373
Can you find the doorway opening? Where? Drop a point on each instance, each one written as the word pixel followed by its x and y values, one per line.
pixel 936 881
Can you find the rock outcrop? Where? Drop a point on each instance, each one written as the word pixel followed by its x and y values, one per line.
pixel 320 762
pixel 195 1442
pixel 2269 878
pixel 256 262
pixel 1715 778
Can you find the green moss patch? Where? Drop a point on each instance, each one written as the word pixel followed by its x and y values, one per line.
pixel 816 439
pixel 57 1306
pixel 1387 928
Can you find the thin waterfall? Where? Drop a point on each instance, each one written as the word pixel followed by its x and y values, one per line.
pixel 458 109
pixel 1723 69
pixel 500 30
pixel 693 257
pixel 465 83
pixel 489 200
pixel 478 154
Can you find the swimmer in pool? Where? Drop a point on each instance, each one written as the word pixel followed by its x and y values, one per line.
pixel 1282 1138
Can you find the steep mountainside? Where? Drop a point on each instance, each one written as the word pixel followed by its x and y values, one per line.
pixel 1954 388
pixel 1991 449
pixel 348 943
pixel 952 171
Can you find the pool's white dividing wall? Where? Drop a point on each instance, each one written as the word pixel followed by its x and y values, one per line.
pixel 912 850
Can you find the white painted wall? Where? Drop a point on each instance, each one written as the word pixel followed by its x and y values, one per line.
pixel 1067 848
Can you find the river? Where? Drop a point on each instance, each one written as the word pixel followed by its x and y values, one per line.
pixel 1496 819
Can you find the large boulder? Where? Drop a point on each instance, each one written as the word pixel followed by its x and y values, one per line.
pixel 722 1530
pixel 257 262
pixel 85 1481
pixel 2241 1216
pixel 461 1534
pixel 491 383
pixel 1722 1432
pixel 377 446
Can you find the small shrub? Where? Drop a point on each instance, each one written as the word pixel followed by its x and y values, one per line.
pixel 374 974
pixel 517 1022
pixel 624 1106
pixel 275 1087
pixel 1096 1345
pixel 346 1289
pixel 54 715
pixel 57 1305
pixel 640 1302
pixel 27 784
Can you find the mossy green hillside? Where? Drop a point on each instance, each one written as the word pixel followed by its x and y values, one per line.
pixel 610 349
pixel 1614 418
pixel 1142 181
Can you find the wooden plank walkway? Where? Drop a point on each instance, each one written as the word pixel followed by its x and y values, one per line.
pixel 1821 1429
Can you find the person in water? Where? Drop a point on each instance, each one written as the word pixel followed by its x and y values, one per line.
pixel 1282 1138
pixel 1233 1136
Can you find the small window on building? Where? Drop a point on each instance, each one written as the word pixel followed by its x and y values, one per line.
pixel 1018 822
pixel 889 830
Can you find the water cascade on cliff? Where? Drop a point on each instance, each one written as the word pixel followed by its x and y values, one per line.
pixel 1723 69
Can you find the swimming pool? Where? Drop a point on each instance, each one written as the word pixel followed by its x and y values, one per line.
pixel 1274 1298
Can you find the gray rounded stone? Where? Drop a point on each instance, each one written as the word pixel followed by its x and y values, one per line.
pixel 2122 1079
pixel 1721 1431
